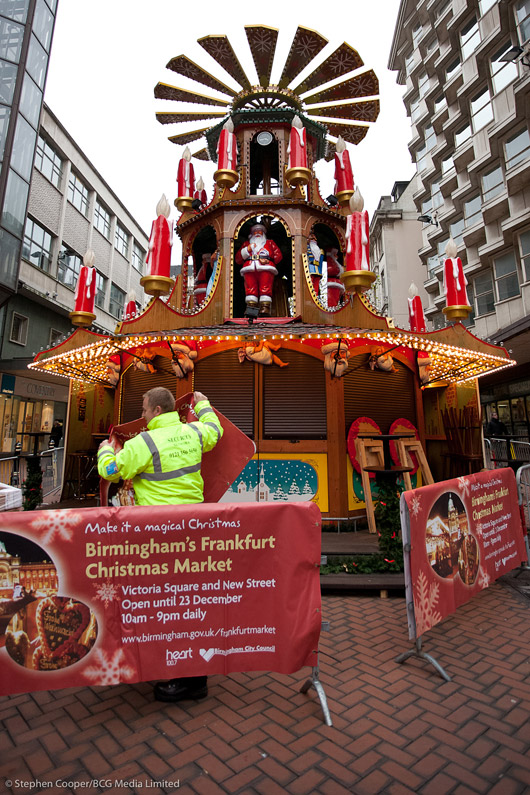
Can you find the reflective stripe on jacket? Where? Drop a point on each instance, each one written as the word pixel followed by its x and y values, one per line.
pixel 164 462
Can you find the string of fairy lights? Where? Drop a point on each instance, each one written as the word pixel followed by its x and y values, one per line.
pixel 448 363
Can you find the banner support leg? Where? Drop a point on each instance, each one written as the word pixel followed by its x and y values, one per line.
pixel 317 684
pixel 417 652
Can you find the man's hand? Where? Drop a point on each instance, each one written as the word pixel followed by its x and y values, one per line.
pixel 105 441
pixel 199 396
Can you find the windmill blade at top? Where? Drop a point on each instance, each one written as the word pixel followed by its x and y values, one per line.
pixel 363 85
pixel 188 136
pixel 356 111
pixel 221 51
pixel 262 42
pixel 184 66
pixel 345 59
pixel 305 46
pixel 174 118
pixel 165 91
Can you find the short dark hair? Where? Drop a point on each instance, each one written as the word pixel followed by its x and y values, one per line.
pixel 160 396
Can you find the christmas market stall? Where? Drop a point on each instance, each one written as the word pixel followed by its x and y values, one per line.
pixel 270 314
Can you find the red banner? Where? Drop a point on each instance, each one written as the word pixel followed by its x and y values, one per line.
pixel 463 533
pixel 98 596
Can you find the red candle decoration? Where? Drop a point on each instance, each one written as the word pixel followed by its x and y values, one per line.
pixel 85 293
pixel 357 274
pixel 130 307
pixel 454 281
pixel 200 192
pixel 159 255
pixel 226 175
pixel 416 316
pixel 185 181
pixel 344 185
pixel 297 171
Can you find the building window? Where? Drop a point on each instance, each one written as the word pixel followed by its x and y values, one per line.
pixel 457 229
pixel 439 103
pixel 37 245
pixel 485 6
pixel 416 34
pixel 522 13
pixel 432 44
pixel 55 337
pixel 11 36
pixel 423 84
pixel 101 290
pixel 447 164
pixel 442 9
pixel 117 301
pixel 452 69
pixel 473 211
pixel 469 39
pixel 19 329
pixel 414 110
pixel 481 110
pixel 78 194
pixel 517 148
pixel 68 267
pixel 138 258
pixel 506 276
pixel 492 183
pixel 102 220
pixel 409 63
pixel 430 138
pixel 121 240
pixel 470 319
pixel 502 72
pixel 483 289
pixel 524 242
pixel 462 135
pixel 436 195
pixel 438 321
pixel 48 162
pixel 421 158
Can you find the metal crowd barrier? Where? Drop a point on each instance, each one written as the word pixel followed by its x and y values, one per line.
pixel 13 469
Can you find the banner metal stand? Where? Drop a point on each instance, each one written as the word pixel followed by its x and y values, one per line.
pixel 317 684
pixel 417 650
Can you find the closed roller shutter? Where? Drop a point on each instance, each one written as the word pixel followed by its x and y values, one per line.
pixel 229 385
pixel 294 403
pixel 135 384
pixel 376 394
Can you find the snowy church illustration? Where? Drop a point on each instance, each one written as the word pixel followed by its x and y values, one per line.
pixel 274 489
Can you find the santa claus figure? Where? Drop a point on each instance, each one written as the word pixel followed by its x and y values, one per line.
pixel 315 260
pixel 416 316
pixel 336 355
pixel 202 277
pixel 454 281
pixel 183 355
pixel 344 186
pixel 334 270
pixel 258 259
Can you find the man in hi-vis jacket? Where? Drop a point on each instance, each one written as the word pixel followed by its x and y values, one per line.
pixel 164 464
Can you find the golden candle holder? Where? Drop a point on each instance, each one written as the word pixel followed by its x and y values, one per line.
pixel 226 178
pixel 343 197
pixel 80 318
pixel 183 203
pixel 358 281
pixel 298 175
pixel 456 312
pixel 157 285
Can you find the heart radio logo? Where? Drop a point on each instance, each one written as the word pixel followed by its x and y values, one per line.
pixel 207 654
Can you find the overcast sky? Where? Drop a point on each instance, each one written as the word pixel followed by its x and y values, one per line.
pixel 108 55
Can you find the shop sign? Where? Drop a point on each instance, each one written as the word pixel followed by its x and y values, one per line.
pixel 463 534
pixel 40 390
pixel 149 592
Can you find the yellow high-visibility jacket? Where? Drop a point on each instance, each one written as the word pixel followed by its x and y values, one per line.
pixel 164 462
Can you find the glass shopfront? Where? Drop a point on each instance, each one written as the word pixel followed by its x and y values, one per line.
pixel 27 413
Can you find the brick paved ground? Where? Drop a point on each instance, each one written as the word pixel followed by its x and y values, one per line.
pixel 397 728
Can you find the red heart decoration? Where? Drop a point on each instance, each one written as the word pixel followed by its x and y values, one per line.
pixel 70 654
pixel 60 621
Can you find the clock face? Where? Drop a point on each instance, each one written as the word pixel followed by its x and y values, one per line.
pixel 264 138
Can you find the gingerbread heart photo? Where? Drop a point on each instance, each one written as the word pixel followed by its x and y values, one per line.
pixel 60 620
